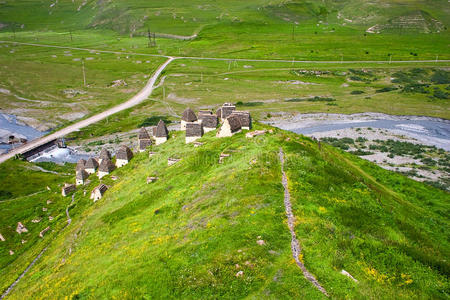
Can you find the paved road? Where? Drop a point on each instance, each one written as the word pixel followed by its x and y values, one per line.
pixel 138 98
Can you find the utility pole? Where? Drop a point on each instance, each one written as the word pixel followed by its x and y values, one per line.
pixel 151 38
pixel 84 72
pixel 293 31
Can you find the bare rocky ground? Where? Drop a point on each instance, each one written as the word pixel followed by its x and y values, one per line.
pixel 431 164
pixel 405 164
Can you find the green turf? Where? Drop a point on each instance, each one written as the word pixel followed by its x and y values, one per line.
pixel 182 236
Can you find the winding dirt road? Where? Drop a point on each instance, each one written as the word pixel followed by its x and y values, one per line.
pixel 136 99
pixel 147 90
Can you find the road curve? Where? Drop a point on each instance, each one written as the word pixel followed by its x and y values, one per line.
pixel 136 99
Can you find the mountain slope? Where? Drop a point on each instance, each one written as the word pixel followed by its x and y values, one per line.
pixel 192 232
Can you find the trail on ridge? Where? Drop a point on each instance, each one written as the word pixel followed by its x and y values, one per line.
pixel 295 245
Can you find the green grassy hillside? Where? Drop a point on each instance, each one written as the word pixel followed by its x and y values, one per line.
pixel 191 232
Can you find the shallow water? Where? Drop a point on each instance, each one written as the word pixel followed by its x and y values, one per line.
pixel 61 155
pixel 426 130
pixel 8 123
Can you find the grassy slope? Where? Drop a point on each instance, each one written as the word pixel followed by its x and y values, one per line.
pixel 24 194
pixel 183 235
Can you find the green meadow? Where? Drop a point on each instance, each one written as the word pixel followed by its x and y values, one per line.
pixel 189 233
pixel 41 79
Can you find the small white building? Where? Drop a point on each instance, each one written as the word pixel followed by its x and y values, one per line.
pixel 123 156
pixel 209 122
pixel 244 118
pixel 187 117
pixel 144 140
pixel 67 189
pixel 81 164
pixel 98 192
pixel 91 166
pixel 225 111
pixel 106 167
pixel 230 126
pixel 104 154
pixel 161 133
pixel 80 177
pixel 194 131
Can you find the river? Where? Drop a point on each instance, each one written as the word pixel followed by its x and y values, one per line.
pixel 426 130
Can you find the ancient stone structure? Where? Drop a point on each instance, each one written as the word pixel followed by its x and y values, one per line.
pixel 209 121
pixel 144 140
pixel 91 166
pixel 230 126
pixel 105 168
pixel 255 133
pixel 123 156
pixel 244 118
pixel 104 154
pixel 98 191
pixel 204 112
pixel 41 234
pixel 21 228
pixel 194 131
pixel 226 110
pixel 80 165
pixel 161 133
pixel 151 179
pixel 171 161
pixel 80 177
pixel 187 117
pixel 67 188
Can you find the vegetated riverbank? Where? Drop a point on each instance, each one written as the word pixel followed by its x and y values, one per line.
pixel 415 146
